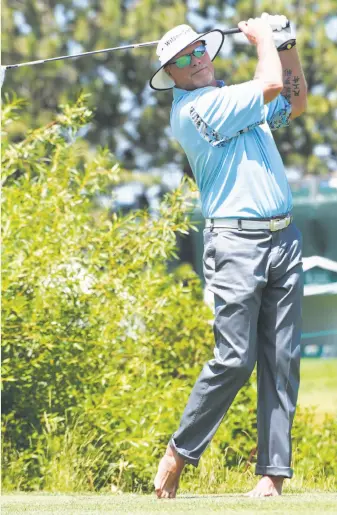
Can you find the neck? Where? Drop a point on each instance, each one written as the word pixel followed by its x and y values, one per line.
pixel 191 87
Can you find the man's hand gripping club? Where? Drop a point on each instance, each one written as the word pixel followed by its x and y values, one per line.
pixel 284 33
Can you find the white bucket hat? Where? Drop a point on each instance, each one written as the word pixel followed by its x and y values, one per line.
pixel 173 42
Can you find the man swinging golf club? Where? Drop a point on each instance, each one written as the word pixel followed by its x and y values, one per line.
pixel 252 250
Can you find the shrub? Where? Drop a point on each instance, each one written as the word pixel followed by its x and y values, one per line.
pixel 95 328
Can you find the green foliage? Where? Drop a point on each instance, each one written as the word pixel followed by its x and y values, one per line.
pixel 315 446
pixel 93 321
pixel 101 344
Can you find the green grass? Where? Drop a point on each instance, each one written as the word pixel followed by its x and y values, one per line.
pixel 319 385
pixel 314 503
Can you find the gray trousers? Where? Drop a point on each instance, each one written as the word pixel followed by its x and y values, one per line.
pixel 256 278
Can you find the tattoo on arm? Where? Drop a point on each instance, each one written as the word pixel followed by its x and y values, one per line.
pixel 291 85
pixel 296 86
pixel 287 74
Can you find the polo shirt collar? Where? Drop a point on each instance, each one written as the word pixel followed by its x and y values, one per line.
pixel 179 93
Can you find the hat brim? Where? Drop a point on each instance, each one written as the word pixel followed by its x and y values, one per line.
pixel 161 81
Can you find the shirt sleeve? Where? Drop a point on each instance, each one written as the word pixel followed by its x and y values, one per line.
pixel 220 114
pixel 278 113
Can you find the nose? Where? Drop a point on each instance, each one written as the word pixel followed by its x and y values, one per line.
pixel 195 60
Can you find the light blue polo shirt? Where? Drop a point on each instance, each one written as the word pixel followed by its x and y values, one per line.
pixel 225 132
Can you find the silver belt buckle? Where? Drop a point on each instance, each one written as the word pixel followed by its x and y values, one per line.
pixel 277 225
pixel 274 225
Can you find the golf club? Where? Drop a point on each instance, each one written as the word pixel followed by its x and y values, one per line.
pixel 125 47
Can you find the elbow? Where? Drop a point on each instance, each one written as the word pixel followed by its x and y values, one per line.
pixel 299 107
pixel 271 91
pixel 296 112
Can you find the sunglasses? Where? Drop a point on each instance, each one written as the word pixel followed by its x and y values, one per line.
pixel 185 60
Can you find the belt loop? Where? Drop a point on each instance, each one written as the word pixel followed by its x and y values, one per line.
pixel 211 227
pixel 240 225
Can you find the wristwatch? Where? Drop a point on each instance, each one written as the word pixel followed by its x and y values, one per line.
pixel 287 45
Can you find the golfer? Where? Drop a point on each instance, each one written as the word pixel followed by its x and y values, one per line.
pixel 252 249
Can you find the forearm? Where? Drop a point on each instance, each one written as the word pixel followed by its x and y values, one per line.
pixel 269 70
pixel 295 86
pixel 269 67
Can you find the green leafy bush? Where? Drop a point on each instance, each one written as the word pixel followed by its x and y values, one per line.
pixel 95 328
pixel 101 344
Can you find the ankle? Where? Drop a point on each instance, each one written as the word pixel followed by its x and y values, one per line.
pixel 172 453
pixel 276 479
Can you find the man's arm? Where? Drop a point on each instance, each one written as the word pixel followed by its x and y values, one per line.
pixel 294 83
pixel 220 114
pixel 269 69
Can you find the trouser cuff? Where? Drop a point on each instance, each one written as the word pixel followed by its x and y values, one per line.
pixel 182 454
pixel 274 471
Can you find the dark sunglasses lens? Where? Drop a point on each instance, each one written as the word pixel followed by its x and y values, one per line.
pixel 200 51
pixel 183 61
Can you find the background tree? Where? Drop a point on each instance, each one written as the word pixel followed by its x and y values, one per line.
pixel 131 119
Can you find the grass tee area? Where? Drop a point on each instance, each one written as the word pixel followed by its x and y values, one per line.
pixel 146 504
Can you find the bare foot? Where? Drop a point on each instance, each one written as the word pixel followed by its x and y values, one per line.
pixel 167 479
pixel 268 486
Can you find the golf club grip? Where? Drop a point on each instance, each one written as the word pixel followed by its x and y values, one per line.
pixel 237 30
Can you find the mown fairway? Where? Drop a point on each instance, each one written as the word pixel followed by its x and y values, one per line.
pixel 314 503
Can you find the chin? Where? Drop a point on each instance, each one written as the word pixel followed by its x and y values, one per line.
pixel 203 80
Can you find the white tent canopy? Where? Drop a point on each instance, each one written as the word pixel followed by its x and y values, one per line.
pixel 325 264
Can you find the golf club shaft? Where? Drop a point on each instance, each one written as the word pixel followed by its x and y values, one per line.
pixel 126 47
pixel 62 57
